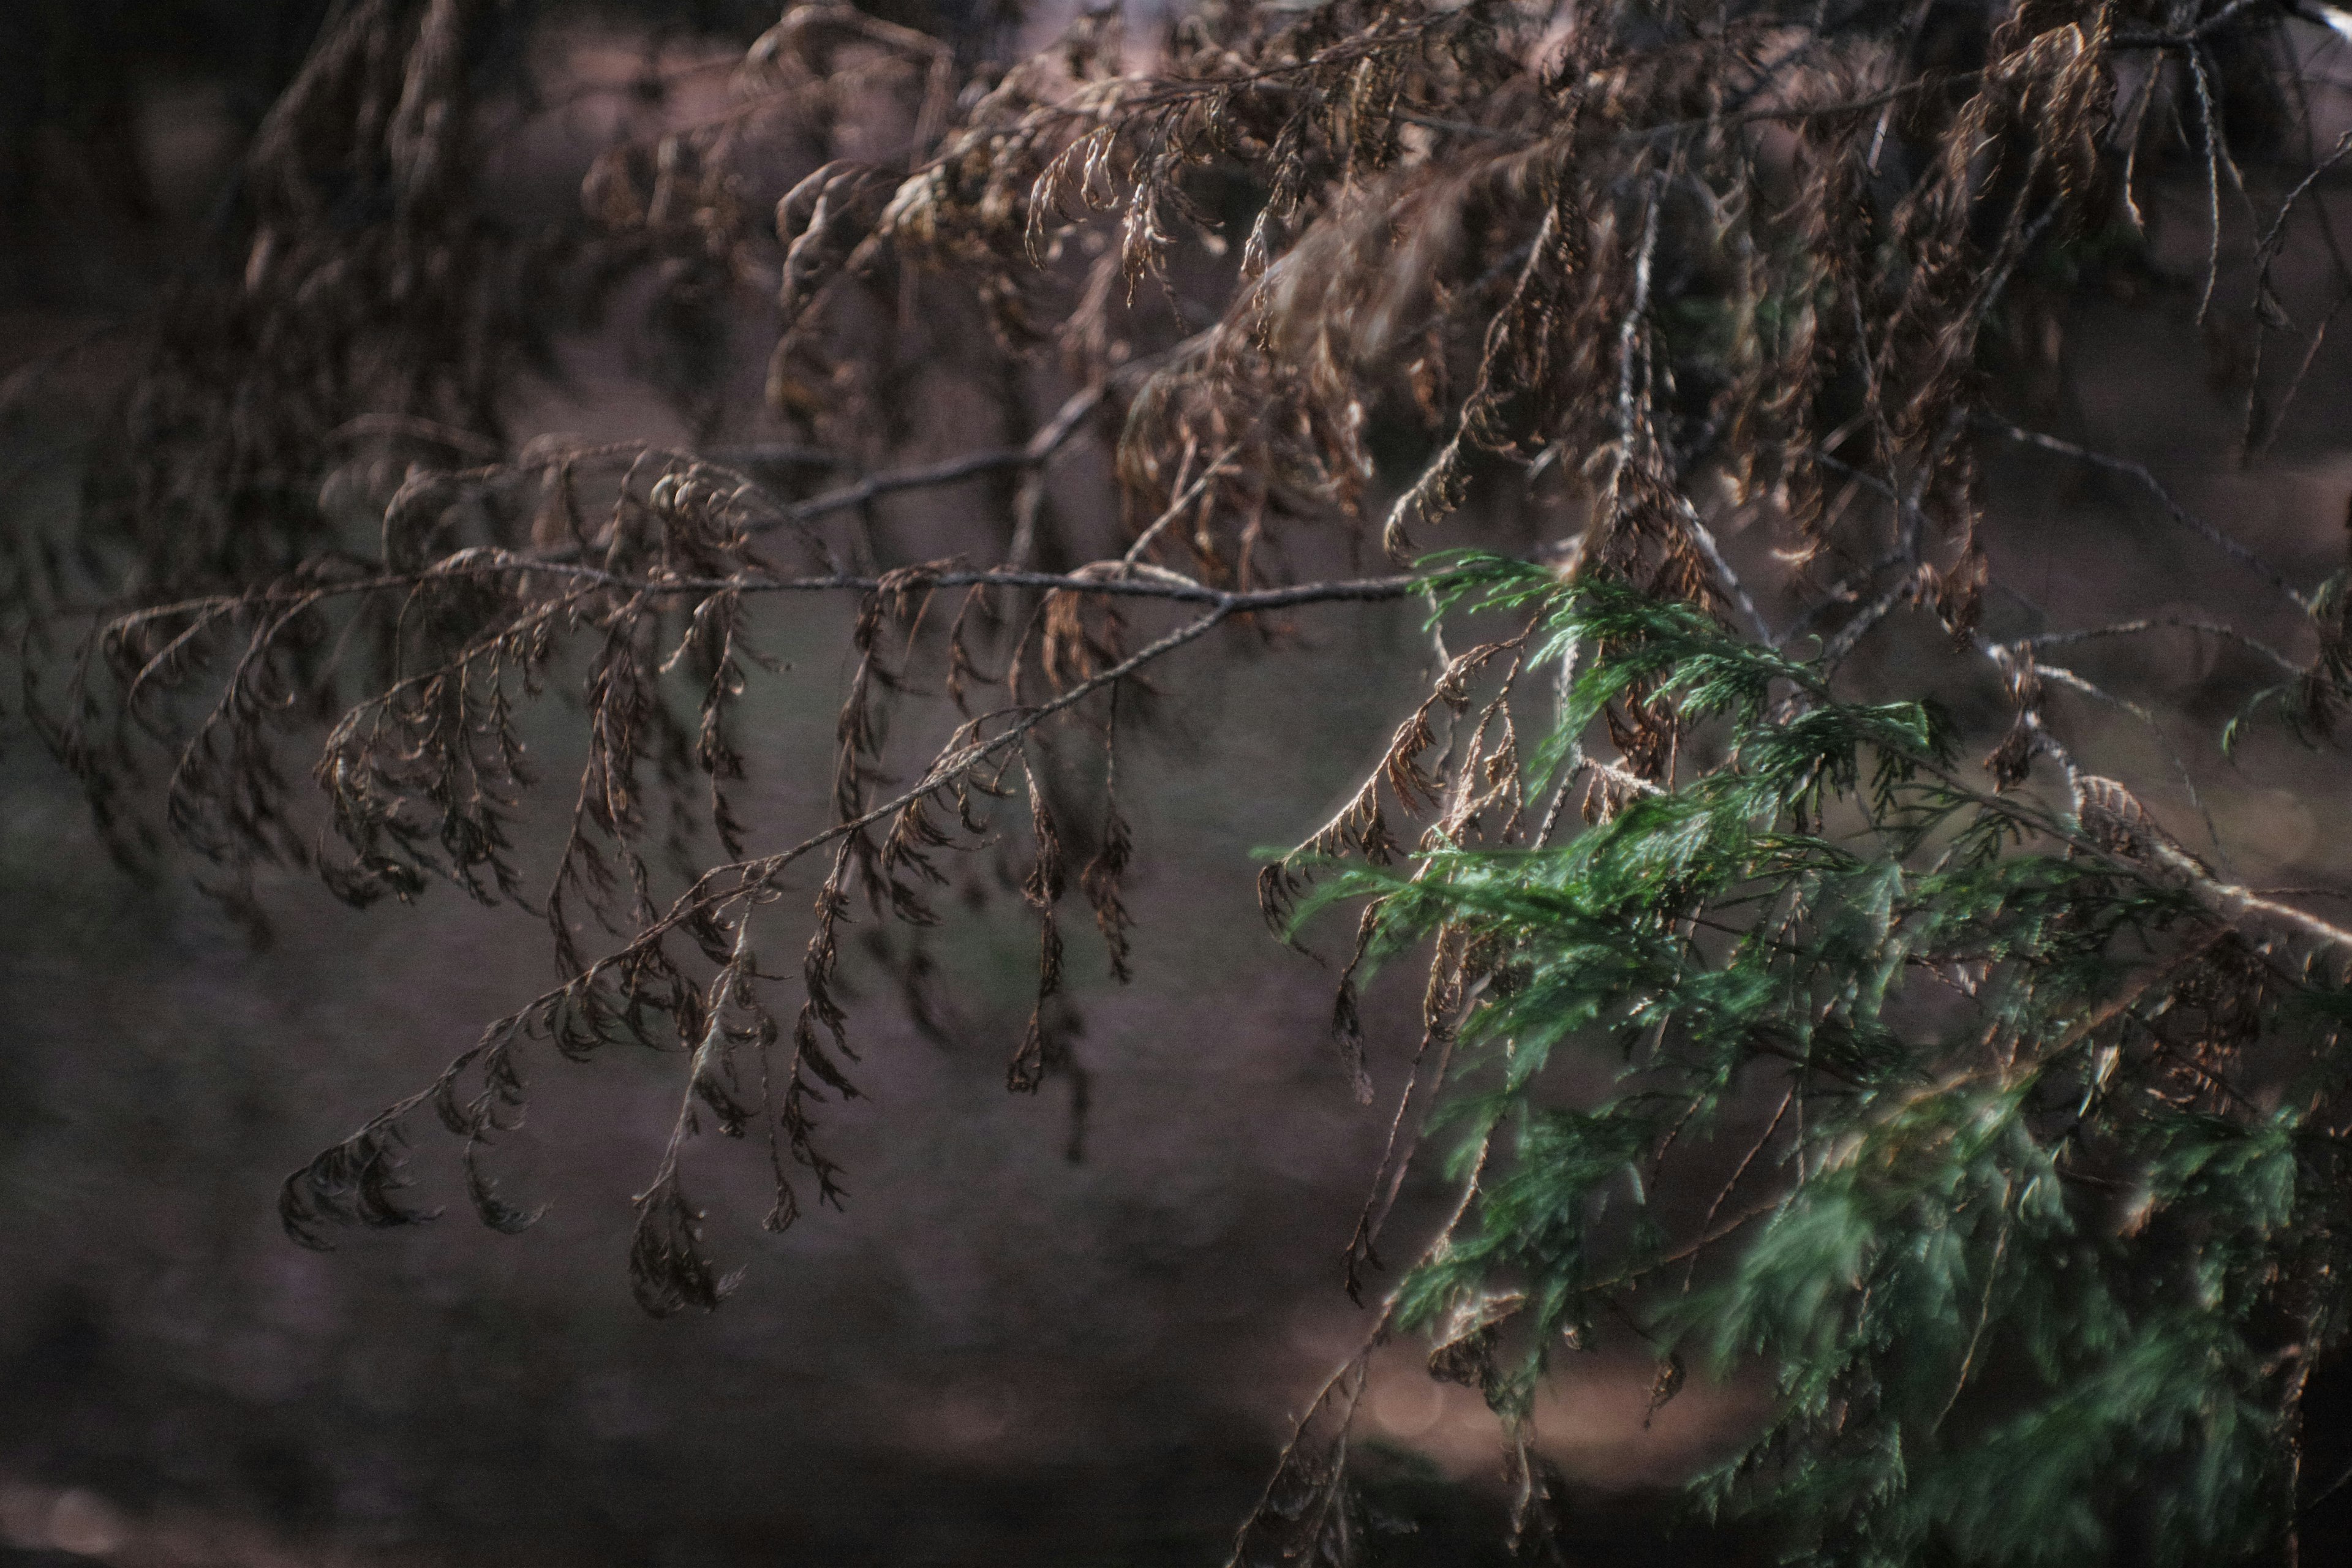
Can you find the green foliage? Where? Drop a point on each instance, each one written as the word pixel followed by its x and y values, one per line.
pixel 2047 1230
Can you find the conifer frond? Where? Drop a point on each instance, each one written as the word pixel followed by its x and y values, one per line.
pixel 2039 1241
pixel 2044 1227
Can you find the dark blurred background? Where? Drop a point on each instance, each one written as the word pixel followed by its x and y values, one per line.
pixel 994 1355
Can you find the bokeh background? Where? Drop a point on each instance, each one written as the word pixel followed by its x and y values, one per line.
pixel 994 1354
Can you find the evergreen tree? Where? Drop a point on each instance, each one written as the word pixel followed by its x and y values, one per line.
pixel 1988 1115
pixel 2043 1235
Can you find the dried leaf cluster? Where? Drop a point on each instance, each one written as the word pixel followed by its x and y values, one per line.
pixel 1607 283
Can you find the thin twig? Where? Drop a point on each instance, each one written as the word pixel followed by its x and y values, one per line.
pixel 2226 544
pixel 2163 623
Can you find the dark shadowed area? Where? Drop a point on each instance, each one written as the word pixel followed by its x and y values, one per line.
pixel 1067 1328
pixel 1029 1337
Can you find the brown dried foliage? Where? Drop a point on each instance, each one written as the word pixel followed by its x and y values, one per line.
pixel 1307 279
